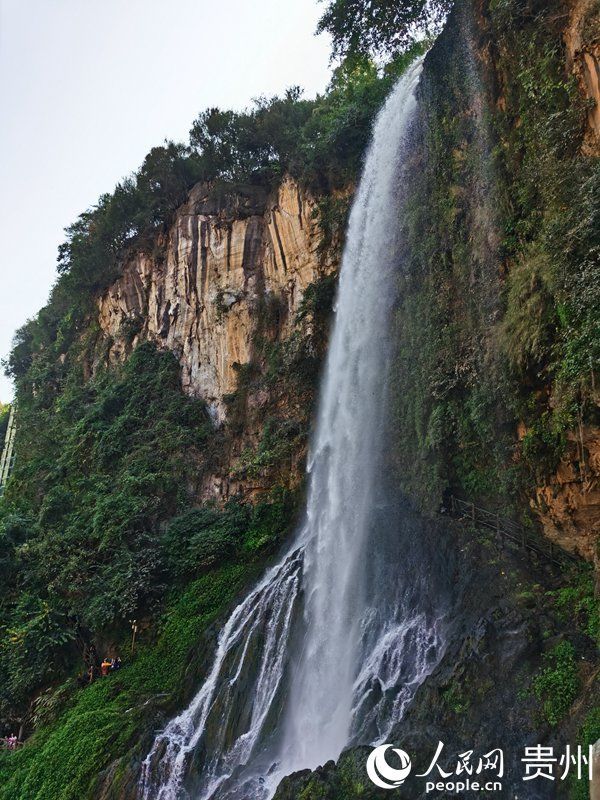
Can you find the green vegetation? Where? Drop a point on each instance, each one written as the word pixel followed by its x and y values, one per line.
pixel 346 780
pixel 320 142
pixel 543 444
pixel 455 699
pixel 276 445
pixel 317 300
pixel 104 721
pixel 97 520
pixel 589 734
pixel 577 603
pixel 332 215
pixel 451 388
pixel 551 222
pixel 99 466
pixel 287 372
pixel 557 684
pixel 4 414
pixel 206 536
pixel 499 309
pixel 380 26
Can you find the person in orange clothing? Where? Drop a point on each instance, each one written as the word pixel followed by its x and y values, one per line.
pixel 105 667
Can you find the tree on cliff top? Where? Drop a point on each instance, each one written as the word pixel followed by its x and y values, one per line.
pixel 380 26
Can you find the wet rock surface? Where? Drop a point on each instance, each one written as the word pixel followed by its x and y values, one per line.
pixel 479 697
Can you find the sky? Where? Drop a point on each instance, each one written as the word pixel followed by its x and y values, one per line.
pixel 87 87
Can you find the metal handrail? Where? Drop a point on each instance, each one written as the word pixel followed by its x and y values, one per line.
pixel 508 529
pixel 7 454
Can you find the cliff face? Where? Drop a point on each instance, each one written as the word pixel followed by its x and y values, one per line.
pixel 496 331
pixel 199 293
pixel 235 288
pixel 223 290
pixel 583 60
pixel 568 505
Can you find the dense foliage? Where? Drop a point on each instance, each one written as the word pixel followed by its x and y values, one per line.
pixel 101 466
pixel 83 731
pixel 98 466
pixel 557 684
pixel 552 233
pixel 500 304
pixel 320 142
pixel 381 26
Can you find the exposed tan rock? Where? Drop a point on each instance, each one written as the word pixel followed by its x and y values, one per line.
pixel 582 40
pixel 200 293
pixel 574 32
pixel 590 75
pixel 595 784
pixel 569 504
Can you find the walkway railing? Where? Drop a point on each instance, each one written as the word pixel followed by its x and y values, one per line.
pixel 7 459
pixel 511 531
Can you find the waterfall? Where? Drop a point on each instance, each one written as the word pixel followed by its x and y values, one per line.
pixel 329 647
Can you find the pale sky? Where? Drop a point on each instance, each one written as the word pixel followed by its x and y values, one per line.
pixel 87 87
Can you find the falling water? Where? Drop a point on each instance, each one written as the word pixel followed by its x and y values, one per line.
pixel 329 647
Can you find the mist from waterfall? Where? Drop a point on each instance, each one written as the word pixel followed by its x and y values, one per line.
pixel 347 451
pixel 329 647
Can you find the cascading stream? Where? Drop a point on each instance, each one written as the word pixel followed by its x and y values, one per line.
pixel 328 649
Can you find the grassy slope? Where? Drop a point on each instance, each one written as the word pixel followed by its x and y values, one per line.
pixel 106 720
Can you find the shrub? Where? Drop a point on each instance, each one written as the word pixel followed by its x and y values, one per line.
pixel 202 537
pixel 589 734
pixel 578 602
pixel 270 520
pixel 380 26
pixel 557 684
pixel 105 720
pixel 100 467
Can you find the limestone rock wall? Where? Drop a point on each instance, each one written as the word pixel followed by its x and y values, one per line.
pixel 568 506
pixel 582 39
pixel 201 292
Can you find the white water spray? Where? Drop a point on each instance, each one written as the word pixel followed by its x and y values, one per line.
pixel 347 449
pixel 326 650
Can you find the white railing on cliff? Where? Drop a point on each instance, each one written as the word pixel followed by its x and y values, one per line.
pixel 7 459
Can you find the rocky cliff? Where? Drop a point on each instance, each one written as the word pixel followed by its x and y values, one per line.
pixel 583 60
pixel 199 292
pixel 568 506
pixel 497 310
pixel 229 299
pixel 222 286
pixel 568 503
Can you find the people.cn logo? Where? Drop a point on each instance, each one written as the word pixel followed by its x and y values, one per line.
pixel 384 775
